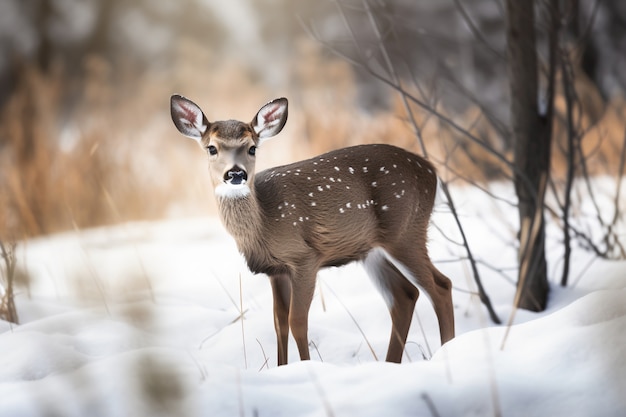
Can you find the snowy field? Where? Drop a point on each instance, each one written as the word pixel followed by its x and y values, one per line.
pixel 164 319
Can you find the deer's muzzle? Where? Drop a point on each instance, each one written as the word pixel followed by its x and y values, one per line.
pixel 235 176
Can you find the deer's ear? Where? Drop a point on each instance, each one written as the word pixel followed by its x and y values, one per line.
pixel 188 117
pixel 271 119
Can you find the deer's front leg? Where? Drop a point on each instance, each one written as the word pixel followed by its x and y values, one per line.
pixel 302 290
pixel 281 291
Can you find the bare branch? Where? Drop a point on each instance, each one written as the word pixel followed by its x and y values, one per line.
pixel 476 32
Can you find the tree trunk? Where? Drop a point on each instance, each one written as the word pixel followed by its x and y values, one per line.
pixel 532 137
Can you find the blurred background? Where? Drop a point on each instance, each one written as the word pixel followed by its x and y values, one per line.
pixel 86 137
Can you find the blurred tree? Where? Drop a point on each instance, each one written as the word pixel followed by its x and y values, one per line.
pixel 98 42
pixel 42 16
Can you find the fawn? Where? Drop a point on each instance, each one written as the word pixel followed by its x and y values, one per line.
pixel 369 203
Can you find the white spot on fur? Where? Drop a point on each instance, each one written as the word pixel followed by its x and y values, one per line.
pixel 351 170
pixel 337 168
pixel 374 184
pixel 385 207
pixel 313 204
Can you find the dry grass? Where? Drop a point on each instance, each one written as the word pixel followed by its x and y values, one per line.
pixel 100 150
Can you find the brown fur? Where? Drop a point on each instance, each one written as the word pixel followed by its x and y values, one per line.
pixel 336 208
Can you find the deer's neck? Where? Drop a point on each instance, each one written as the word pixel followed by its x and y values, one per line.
pixel 241 216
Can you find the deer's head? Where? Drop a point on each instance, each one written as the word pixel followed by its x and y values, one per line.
pixel 230 145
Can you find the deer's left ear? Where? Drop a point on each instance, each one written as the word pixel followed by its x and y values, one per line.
pixel 187 117
pixel 271 119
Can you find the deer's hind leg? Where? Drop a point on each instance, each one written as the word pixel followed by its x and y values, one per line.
pixel 418 268
pixel 400 296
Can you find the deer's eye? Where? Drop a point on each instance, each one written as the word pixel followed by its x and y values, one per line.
pixel 211 150
pixel 252 150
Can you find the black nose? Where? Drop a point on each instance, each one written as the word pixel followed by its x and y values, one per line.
pixel 236 176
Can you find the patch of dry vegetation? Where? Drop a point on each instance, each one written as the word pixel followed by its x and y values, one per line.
pixel 102 149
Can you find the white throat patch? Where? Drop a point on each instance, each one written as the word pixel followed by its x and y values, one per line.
pixel 232 190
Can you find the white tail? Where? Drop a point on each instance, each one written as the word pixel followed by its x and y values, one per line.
pixel 369 203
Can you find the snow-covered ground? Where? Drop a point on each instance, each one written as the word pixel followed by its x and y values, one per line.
pixel 145 319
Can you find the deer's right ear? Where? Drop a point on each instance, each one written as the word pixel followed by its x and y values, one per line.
pixel 188 118
pixel 271 119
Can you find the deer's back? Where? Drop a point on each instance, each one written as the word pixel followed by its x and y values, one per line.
pixel 343 203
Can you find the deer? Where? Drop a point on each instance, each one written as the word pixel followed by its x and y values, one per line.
pixel 367 203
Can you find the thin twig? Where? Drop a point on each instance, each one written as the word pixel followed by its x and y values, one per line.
pixel 243 334
pixel 8 300
pixel 481 290
pixel 421 326
pixel 430 404
pixel 317 350
pixel 567 75
pixel 476 32
pixel 356 323
pixel 265 357
pixel 320 390
pixel 528 238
